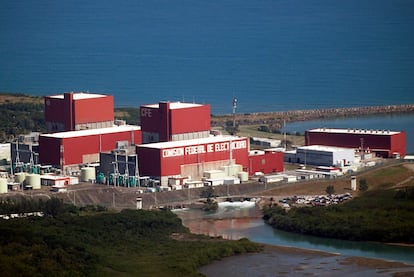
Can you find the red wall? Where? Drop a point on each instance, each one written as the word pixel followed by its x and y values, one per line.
pixel 189 120
pixel 167 122
pixel 94 109
pixel 392 143
pixel 399 144
pixel 154 162
pixel 150 119
pixel 267 163
pixel 49 150
pixel 75 147
pixel 53 109
pixel 71 112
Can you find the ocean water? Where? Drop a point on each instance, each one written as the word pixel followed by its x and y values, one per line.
pixel 271 55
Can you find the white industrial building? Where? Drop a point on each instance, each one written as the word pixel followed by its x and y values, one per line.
pixel 325 155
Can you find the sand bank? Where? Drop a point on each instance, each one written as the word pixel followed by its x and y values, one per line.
pixel 289 261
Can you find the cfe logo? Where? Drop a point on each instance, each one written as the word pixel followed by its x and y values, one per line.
pixel 146 112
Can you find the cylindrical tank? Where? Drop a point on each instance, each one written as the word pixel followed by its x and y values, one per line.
pixel 88 174
pixel 19 177
pixel 243 176
pixel 33 180
pixel 3 185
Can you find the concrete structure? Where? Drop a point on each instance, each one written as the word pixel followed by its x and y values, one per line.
pixel 265 142
pixel 66 150
pixel 118 160
pixel 324 155
pixel 174 121
pixel 383 143
pixel 5 152
pixel 267 161
pixel 78 111
pixel 191 157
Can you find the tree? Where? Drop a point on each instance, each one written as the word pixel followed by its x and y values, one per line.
pixel 330 189
pixel 363 185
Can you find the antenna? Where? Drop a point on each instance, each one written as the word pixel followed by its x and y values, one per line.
pixel 234 114
pixel 284 132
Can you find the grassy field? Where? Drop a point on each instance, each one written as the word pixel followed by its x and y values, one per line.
pixel 19 98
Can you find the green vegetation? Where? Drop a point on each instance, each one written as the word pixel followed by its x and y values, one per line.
pixel 383 215
pixel 20 114
pixel 69 241
pixel 330 189
pixel 211 204
pixel 129 114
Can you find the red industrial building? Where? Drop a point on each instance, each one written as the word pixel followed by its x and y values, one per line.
pixel 173 121
pixel 78 111
pixel 267 161
pixel 383 143
pixel 191 157
pixel 67 150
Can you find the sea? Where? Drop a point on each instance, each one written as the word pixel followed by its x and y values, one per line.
pixel 270 55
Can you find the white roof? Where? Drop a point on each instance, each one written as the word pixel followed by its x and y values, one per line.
pixel 183 143
pixel 80 95
pixel 354 131
pixel 324 148
pixel 101 131
pixel 175 105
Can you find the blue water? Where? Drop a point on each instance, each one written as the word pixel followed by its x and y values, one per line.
pixel 227 223
pixel 271 55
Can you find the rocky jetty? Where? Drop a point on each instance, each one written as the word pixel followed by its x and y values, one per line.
pixel 277 119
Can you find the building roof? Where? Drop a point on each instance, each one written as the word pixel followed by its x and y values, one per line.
pixel 175 105
pixel 183 143
pixel 354 131
pixel 90 132
pixel 324 148
pixel 80 95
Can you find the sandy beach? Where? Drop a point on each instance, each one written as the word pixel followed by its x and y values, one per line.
pixel 288 261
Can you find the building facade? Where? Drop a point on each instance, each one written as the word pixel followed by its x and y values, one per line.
pixel 267 161
pixel 324 155
pixel 191 157
pixel 383 143
pixel 78 111
pixel 67 150
pixel 174 121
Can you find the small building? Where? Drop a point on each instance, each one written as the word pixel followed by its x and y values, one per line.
pixel 324 155
pixel 58 181
pixel 266 161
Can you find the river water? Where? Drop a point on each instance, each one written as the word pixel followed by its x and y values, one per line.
pixel 235 221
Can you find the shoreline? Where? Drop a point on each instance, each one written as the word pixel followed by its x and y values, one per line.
pixel 288 261
pixel 278 119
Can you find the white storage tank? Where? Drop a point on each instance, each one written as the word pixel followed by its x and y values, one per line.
pixel 243 176
pixel 33 180
pixel 19 177
pixel 88 174
pixel 3 185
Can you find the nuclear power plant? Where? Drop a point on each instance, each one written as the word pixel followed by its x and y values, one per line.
pixel 174 147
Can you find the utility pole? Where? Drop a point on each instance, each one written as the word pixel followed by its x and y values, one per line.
pixel 234 115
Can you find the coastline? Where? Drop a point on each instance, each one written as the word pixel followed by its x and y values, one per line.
pixel 290 261
pixel 278 119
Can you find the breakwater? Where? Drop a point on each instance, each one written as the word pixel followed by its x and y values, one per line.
pixel 277 119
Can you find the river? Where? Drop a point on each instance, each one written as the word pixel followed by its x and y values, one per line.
pixel 234 221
